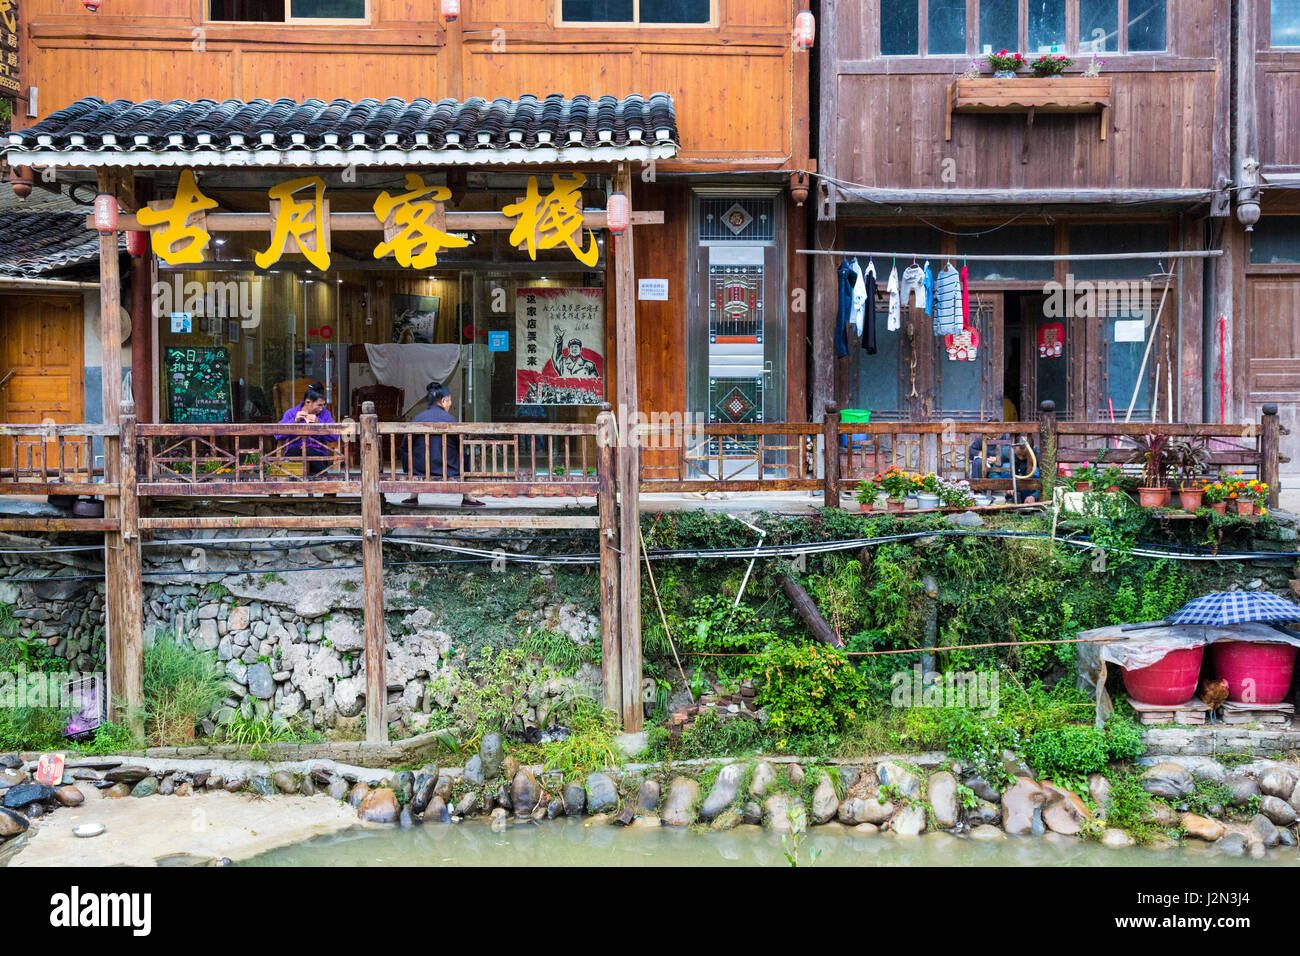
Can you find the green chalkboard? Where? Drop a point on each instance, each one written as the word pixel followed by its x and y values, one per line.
pixel 198 384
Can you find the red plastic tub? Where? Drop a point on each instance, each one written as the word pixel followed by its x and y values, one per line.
pixel 1257 672
pixel 1169 681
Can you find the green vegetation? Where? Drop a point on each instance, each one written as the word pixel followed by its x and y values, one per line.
pixel 181 685
pixel 259 733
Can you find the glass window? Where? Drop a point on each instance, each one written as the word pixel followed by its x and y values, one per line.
pixel 1027 240
pixel 674 11
pixel 1111 238
pixel 328 9
pixel 1146 24
pixel 1124 334
pixel 628 11
pixel 899 27
pixel 999 25
pixel 245 11
pixel 1098 26
pixel 1276 241
pixel 1046 26
pixel 598 11
pixel 1286 23
pixel 947 26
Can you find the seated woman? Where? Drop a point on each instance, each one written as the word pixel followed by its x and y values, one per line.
pixel 310 410
pixel 425 459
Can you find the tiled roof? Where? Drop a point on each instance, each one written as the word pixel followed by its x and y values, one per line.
pixel 207 132
pixel 34 244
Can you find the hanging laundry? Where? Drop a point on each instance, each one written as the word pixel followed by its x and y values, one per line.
pixel 859 297
pixel 869 316
pixel 895 321
pixel 847 280
pixel 947 302
pixel 965 298
pixel 929 289
pixel 914 287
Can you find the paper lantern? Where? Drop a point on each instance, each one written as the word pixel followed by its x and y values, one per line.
pixel 618 213
pixel 91 5
pixel 805 30
pixel 137 243
pixel 450 10
pixel 106 213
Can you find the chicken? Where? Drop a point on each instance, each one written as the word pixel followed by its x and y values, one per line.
pixel 1213 694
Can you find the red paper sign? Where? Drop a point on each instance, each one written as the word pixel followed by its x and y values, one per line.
pixel 963 346
pixel 1051 340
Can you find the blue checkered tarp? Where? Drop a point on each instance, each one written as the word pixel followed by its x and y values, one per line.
pixel 1236 607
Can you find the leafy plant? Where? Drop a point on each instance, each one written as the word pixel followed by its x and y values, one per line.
pixel 808 687
pixel 1190 458
pixel 1155 453
pixel 590 745
pixel 181 685
pixel 1051 65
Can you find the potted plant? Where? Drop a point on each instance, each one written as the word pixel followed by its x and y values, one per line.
pixel 1249 496
pixel 955 494
pixel 1085 478
pixel 1111 478
pixel 1191 459
pixel 897 484
pixel 869 490
pixel 1153 453
pixel 1214 494
pixel 927 492
pixel 1006 65
pixel 1051 64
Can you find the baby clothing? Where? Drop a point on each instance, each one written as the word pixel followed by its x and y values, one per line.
pixel 929 289
pixel 947 302
pixel 914 287
pixel 894 322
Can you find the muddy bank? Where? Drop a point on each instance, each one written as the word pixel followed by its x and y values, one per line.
pixel 213 824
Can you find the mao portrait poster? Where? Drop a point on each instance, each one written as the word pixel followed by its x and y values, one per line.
pixel 560 346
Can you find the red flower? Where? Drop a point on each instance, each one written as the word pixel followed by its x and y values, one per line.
pixel 1004 53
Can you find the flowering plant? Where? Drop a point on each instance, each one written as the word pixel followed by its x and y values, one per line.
pixel 898 484
pixel 1005 61
pixel 1094 67
pixel 1086 474
pixel 1253 490
pixel 1050 65
pixel 973 71
pixel 1216 491
pixel 955 494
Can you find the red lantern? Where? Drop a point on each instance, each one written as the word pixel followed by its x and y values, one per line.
pixel 91 5
pixel 805 29
pixel 618 214
pixel 137 243
pixel 450 10
pixel 106 213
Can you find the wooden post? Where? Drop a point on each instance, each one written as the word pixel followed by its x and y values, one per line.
pixel 131 610
pixel 372 577
pixel 1046 450
pixel 1270 444
pixel 110 336
pixel 629 467
pixel 831 443
pixel 611 672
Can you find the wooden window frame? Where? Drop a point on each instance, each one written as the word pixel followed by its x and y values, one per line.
pixel 1022 32
pixel 290 19
pixel 1264 30
pixel 635 22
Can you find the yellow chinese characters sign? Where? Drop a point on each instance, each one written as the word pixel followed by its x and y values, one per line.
pixel 414 222
pixel 10 62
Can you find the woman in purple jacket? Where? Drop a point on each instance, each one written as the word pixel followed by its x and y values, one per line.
pixel 310 410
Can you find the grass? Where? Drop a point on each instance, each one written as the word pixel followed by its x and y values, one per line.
pixel 259 733
pixel 181 685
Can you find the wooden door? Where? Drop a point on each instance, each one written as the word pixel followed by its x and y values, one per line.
pixel 42 376
pixel 1272 344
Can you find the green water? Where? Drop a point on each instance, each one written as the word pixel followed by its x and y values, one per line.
pixel 575 843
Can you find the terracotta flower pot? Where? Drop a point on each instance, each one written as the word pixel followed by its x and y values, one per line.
pixel 1153 497
pixel 895 506
pixel 1113 489
pixel 1219 507
pixel 1190 500
pixel 1083 486
pixel 1244 507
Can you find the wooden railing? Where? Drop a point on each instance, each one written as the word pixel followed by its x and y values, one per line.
pixel 53 460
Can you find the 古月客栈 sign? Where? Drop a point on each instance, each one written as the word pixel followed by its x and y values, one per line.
pixel 560 346
pixel 10 60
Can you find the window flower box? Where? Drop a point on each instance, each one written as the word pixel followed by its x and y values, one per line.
pixel 1028 94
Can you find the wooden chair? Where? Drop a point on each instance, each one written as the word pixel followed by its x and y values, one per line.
pixel 288 394
pixel 389 400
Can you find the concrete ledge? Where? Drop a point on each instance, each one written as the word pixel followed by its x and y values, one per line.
pixel 1217 740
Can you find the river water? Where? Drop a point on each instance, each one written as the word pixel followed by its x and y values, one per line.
pixel 580 843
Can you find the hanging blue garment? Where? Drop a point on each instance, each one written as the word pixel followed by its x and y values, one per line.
pixel 847 280
pixel 929 289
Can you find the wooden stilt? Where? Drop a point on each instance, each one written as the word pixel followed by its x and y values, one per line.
pixel 606 465
pixel 131 618
pixel 629 467
pixel 372 577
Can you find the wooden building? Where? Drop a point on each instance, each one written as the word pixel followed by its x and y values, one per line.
pixel 922 151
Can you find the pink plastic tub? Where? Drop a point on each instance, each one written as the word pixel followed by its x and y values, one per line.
pixel 1257 672
pixel 1169 681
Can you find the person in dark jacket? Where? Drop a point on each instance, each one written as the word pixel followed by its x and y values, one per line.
pixel 434 466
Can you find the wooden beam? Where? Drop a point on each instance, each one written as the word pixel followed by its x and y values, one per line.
pixel 372 578
pixel 130 640
pixel 366 221
pixel 629 468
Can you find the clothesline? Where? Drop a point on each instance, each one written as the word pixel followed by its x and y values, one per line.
pixel 1080 257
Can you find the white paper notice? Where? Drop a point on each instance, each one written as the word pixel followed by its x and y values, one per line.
pixel 652 290
pixel 1130 330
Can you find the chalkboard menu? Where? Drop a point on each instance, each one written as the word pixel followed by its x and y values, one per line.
pixel 198 384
